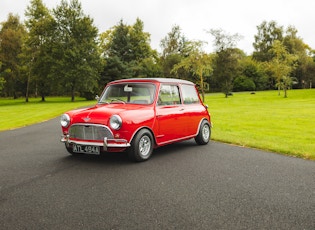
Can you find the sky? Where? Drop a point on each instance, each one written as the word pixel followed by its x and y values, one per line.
pixel 194 17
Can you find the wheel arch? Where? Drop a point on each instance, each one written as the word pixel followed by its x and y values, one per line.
pixel 200 122
pixel 141 128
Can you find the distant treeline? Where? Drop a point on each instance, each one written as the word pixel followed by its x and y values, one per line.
pixel 60 52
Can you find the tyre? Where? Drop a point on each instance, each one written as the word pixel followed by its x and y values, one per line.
pixel 204 133
pixel 141 146
pixel 69 150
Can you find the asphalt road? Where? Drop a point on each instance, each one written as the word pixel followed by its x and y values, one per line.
pixel 183 186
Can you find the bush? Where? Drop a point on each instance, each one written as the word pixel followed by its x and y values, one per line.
pixel 243 83
pixel 88 95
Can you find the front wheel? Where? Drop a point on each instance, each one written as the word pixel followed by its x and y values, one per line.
pixel 204 133
pixel 69 149
pixel 141 146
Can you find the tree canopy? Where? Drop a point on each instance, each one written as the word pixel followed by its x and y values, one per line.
pixel 61 52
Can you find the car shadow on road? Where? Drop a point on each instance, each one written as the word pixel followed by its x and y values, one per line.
pixel 122 157
pixel 174 149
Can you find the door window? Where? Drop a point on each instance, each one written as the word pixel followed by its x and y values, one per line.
pixel 169 95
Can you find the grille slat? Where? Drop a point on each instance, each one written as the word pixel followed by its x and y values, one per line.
pixel 90 132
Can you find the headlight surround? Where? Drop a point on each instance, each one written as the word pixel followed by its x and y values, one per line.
pixel 65 120
pixel 115 122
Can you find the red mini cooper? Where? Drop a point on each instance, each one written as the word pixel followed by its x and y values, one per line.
pixel 138 115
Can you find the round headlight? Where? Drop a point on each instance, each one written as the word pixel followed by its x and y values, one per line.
pixel 115 122
pixel 65 120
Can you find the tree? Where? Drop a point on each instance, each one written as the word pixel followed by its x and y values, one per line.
pixel 304 62
pixel 12 35
pixel 254 71
pixel 38 47
pixel 281 66
pixel 2 81
pixel 116 49
pixel 268 33
pixel 139 42
pixel 127 52
pixel 143 57
pixel 173 51
pixel 173 43
pixel 75 49
pixel 197 62
pixel 119 44
pixel 308 73
pixel 226 61
pixel 243 83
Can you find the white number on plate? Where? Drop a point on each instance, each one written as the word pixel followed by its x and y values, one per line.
pixel 86 149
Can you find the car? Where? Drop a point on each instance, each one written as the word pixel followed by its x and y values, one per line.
pixel 138 115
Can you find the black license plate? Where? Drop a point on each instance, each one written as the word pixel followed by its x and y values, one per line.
pixel 87 149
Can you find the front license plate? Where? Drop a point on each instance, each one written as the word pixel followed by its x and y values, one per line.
pixel 87 149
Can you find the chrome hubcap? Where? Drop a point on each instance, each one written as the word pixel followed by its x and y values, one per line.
pixel 205 132
pixel 144 145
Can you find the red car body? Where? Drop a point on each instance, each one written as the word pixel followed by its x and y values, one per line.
pixel 138 115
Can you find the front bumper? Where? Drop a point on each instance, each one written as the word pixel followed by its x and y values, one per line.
pixel 106 143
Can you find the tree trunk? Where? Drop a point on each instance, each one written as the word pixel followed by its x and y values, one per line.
pixel 27 87
pixel 201 87
pixel 72 93
pixel 279 90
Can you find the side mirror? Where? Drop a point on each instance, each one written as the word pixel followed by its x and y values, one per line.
pixel 97 98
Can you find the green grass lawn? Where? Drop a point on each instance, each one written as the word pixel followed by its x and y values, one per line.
pixel 17 113
pixel 263 120
pixel 266 121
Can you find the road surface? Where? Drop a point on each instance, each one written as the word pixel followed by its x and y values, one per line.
pixel 183 186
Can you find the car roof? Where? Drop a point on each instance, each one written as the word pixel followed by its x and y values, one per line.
pixel 160 80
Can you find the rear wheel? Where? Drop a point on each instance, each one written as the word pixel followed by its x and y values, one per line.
pixel 204 134
pixel 141 146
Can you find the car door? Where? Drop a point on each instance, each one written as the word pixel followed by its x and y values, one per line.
pixel 169 114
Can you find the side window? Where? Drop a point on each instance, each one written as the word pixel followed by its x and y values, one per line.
pixel 169 95
pixel 190 95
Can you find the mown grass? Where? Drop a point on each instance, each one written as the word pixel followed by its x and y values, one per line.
pixel 266 121
pixel 17 113
pixel 263 120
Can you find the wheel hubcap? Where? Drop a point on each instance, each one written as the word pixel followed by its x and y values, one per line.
pixel 205 132
pixel 144 145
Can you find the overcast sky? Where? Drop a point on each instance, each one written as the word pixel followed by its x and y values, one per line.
pixel 194 17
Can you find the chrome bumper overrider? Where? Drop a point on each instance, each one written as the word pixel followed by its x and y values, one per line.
pixel 106 143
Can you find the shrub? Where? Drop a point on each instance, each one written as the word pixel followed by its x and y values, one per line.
pixel 243 83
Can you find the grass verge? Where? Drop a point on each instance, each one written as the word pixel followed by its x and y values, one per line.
pixel 266 121
pixel 17 113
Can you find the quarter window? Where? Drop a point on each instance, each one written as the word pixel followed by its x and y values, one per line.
pixel 190 95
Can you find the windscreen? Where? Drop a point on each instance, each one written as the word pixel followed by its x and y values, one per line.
pixel 135 93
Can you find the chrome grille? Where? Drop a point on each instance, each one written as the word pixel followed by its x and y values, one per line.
pixel 90 132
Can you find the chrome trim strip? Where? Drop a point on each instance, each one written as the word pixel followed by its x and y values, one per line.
pixel 177 140
pixel 105 144
pixel 89 124
pixel 119 143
